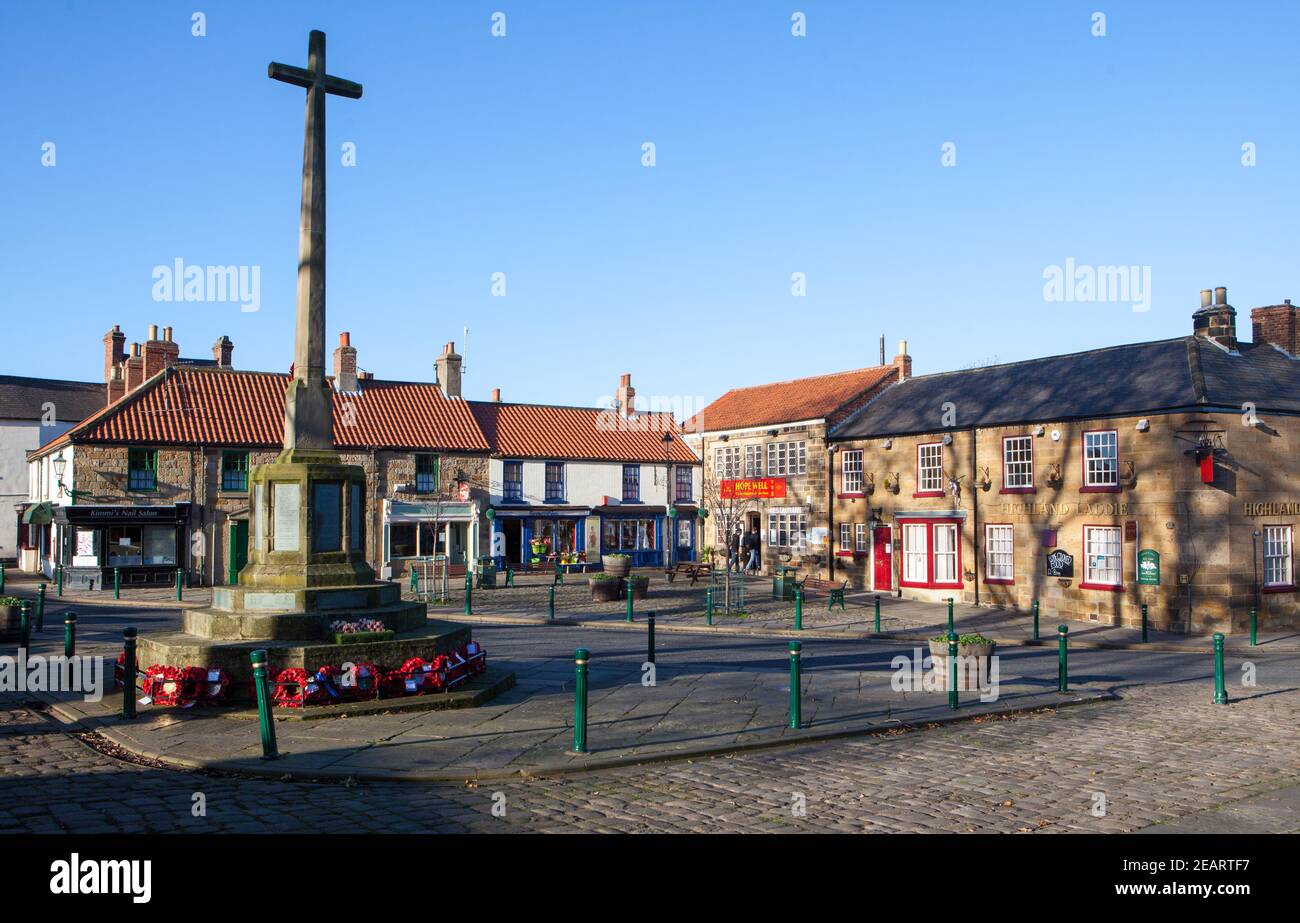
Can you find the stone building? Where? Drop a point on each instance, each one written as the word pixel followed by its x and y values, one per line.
pixel 764 453
pixel 1161 473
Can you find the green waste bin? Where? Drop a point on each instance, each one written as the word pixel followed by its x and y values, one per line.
pixel 783 580
pixel 487 574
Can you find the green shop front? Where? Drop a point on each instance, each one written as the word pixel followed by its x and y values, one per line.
pixel 144 544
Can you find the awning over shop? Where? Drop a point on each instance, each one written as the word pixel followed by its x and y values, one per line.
pixel 38 514
pixel 531 512
pixel 400 511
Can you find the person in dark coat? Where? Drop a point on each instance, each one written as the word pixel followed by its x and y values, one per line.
pixel 733 551
pixel 752 545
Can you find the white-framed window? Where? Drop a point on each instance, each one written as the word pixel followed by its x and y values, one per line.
pixel 1102 548
pixel 851 472
pixel 1101 458
pixel 726 462
pixel 929 467
pixel 945 552
pixel 916 552
pixel 1277 556
pixel 787 528
pixel 753 461
pixel 1018 462
pixel 787 457
pixel 846 536
pixel 861 528
pixel 999 553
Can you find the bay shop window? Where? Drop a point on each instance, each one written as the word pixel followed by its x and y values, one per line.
pixel 931 553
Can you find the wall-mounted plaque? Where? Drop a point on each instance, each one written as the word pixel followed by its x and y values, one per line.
pixel 1149 567
pixel 286 501
pixel 1060 563
pixel 327 516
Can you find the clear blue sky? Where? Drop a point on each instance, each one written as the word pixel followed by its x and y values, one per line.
pixel 522 155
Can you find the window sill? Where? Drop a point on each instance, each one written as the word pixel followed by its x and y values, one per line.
pixel 857 495
pixel 930 586
pixel 927 493
pixel 1279 588
pixel 991 582
pixel 1105 587
pixel 1018 490
pixel 1100 489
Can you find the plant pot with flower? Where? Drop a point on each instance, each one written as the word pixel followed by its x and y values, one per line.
pixel 604 587
pixel 973 653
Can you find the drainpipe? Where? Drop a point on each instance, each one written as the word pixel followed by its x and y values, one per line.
pixel 830 512
pixel 975 513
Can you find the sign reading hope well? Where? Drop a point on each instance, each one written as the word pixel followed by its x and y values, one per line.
pixel 753 488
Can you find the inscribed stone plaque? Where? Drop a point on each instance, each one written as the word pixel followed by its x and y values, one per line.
pixel 287 501
pixel 258 537
pixel 327 516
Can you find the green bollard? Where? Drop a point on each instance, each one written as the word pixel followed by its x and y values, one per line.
pixel 1035 620
pixel 510 576
pixel 264 719
pixel 128 673
pixel 798 608
pixel 59 572
pixel 796 709
pixel 877 613
pixel 627 582
pixel 708 606
pixel 550 605
pixel 2 576
pixel 1062 664
pixel 25 625
pixel 952 669
pixel 180 571
pixel 469 589
pixel 950 629
pixel 1254 626
pixel 40 607
pixel 1144 623
pixel 415 582
pixel 580 658
pixel 117 583
pixel 70 634
pixel 650 637
pixel 1220 691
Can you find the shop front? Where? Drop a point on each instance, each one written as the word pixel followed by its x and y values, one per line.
pixel 144 544
pixel 414 531
pixel 638 533
pixel 530 537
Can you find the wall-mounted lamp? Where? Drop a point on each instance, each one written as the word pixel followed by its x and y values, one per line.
pixel 1143 425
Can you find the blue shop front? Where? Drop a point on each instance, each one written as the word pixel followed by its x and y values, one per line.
pixel 633 530
pixel 528 536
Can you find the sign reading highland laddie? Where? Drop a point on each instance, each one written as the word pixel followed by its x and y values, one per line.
pixel 1149 567
pixel 1060 563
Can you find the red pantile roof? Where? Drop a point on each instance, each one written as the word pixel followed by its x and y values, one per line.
pixel 816 398
pixel 190 406
pixel 578 433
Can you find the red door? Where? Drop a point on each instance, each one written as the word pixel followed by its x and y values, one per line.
pixel 882 558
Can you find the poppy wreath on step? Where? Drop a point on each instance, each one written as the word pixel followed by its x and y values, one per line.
pixel 216 686
pixel 174 686
pixel 326 678
pixel 290 688
pixel 362 682
pixel 414 676
pixel 477 657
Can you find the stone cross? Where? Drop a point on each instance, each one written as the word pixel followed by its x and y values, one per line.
pixel 308 413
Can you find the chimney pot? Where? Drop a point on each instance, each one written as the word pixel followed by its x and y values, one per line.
pixel 135 349
pixel 1206 296
pixel 153 332
pixel 1221 295
pixel 496 395
pixel 167 334
pixel 345 338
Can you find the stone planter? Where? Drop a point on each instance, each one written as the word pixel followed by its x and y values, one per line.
pixel 640 588
pixel 616 565
pixel 604 591
pixel 11 622
pixel 970 657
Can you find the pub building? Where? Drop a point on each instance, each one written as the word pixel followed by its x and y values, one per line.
pixel 568 484
pixel 764 453
pixel 1160 473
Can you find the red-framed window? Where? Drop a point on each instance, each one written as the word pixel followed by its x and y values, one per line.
pixel 1103 558
pixel 929 469
pixel 845 548
pixel 999 553
pixel 1017 464
pixel 931 553
pixel 1279 559
pixel 861 528
pixel 851 473
pixel 1100 461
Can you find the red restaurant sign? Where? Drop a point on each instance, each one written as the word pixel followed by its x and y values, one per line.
pixel 753 488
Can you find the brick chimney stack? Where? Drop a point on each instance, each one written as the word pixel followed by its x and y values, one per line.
pixel 448 369
pixel 626 395
pixel 222 351
pixel 159 353
pixel 116 384
pixel 1276 324
pixel 1216 320
pixel 345 365
pixel 903 362
pixel 114 351
pixel 134 368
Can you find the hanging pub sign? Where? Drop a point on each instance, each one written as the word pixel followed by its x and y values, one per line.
pixel 752 488
pixel 1149 567
pixel 1060 563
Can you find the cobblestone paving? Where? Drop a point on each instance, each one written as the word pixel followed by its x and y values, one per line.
pixel 1162 754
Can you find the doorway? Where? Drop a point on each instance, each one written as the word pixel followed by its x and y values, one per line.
pixel 512 529
pixel 882 558
pixel 238 555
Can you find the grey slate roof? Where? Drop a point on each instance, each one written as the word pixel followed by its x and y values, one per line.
pixel 24 398
pixel 1185 373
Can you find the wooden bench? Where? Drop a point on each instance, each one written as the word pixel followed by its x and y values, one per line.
pixel 689 568
pixel 834 591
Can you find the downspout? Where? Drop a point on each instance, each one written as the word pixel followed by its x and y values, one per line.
pixel 831 547
pixel 975 513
